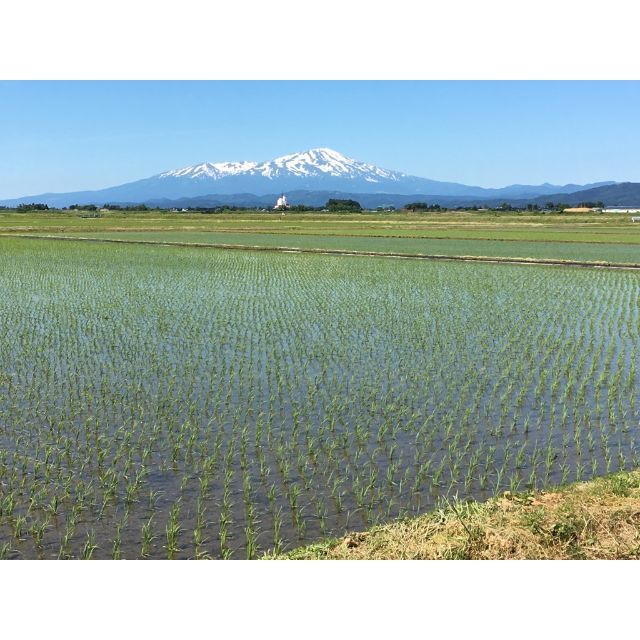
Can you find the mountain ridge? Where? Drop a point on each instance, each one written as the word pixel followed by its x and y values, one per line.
pixel 622 194
pixel 319 169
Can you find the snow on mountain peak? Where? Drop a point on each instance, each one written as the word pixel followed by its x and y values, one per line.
pixel 213 170
pixel 317 162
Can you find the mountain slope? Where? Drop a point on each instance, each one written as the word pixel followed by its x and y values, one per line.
pixel 627 193
pixel 622 194
pixel 319 169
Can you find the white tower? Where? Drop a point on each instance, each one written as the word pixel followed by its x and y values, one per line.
pixel 282 202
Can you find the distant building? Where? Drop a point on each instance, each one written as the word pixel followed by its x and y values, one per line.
pixel 281 203
pixel 622 210
pixel 580 209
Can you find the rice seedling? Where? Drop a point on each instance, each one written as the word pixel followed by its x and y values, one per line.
pixel 90 546
pixel 116 548
pixel 18 527
pixel 147 538
pixel 173 531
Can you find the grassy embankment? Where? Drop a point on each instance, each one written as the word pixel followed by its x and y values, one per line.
pixel 599 519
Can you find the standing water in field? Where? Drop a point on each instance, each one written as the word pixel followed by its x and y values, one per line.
pixel 191 403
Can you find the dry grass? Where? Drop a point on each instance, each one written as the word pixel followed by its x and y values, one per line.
pixel 592 520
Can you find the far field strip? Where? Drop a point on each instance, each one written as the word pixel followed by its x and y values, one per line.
pixel 584 255
pixel 505 226
pixel 494 235
pixel 620 235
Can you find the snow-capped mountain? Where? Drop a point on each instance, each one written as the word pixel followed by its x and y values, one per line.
pixel 320 163
pixel 315 170
pixel 323 169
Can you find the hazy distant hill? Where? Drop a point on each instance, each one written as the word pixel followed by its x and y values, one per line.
pixel 622 193
pixel 311 198
pixel 627 193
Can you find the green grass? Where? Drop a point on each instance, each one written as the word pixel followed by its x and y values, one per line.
pixel 589 520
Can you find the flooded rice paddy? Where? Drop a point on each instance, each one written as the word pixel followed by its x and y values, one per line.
pixel 574 251
pixel 161 402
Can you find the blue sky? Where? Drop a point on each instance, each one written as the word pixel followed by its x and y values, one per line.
pixel 67 136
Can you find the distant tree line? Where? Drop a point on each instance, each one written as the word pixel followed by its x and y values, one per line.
pixel 592 205
pixel 423 206
pixel 301 208
pixel 32 206
pixel 334 204
pixel 559 206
